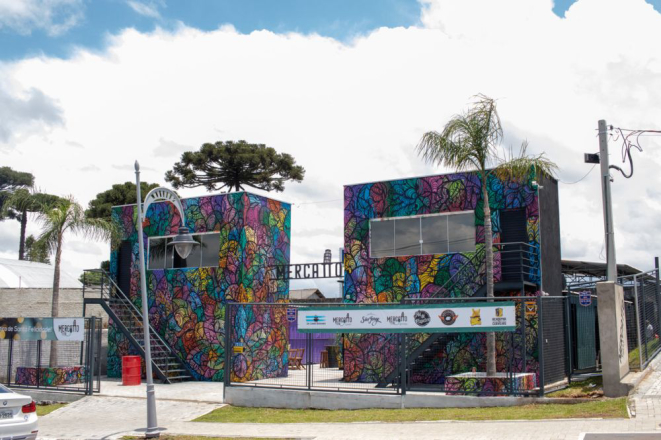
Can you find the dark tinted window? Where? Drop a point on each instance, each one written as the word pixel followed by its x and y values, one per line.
pixel 206 254
pixel 382 238
pixel 434 234
pixel 424 235
pixel 157 253
pixel 462 232
pixel 407 236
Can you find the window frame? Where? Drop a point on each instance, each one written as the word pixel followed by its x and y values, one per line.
pixel 420 241
pixel 159 237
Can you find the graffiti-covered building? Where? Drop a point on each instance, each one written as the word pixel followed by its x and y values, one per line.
pixel 240 235
pixel 424 238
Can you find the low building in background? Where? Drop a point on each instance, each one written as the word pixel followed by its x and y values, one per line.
pixel 26 290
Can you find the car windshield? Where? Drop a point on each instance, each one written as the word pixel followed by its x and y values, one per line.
pixel 4 390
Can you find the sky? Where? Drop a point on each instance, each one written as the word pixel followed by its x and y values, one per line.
pixel 347 87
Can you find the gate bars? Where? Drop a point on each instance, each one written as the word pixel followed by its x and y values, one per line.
pixel 25 364
pixel 264 349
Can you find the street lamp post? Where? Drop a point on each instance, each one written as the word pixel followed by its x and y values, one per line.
pixel 183 243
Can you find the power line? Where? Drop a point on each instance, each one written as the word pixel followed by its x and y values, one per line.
pixel 586 175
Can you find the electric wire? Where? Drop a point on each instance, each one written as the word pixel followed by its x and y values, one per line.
pixel 586 175
pixel 630 139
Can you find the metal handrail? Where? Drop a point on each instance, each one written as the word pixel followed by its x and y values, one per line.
pixel 531 251
pixel 470 263
pixel 132 308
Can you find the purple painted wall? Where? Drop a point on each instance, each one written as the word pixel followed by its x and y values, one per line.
pixel 319 341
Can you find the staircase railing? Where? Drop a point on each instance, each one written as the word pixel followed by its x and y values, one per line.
pixel 135 313
pixel 110 290
pixel 524 255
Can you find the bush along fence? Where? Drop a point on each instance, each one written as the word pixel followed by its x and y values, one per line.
pixel 57 354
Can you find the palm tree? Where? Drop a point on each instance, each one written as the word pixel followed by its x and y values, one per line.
pixel 23 202
pixel 472 140
pixel 67 216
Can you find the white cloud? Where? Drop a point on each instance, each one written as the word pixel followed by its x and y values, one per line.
pixel 354 112
pixel 25 114
pixel 55 17
pixel 148 9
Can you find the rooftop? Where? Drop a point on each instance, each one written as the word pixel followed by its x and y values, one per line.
pixel 16 274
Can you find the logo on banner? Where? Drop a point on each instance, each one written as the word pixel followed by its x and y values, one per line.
pixel 448 317
pixel 342 320
pixel 315 320
pixel 475 317
pixel 499 319
pixel 67 329
pixel 421 318
pixel 397 319
pixel 370 319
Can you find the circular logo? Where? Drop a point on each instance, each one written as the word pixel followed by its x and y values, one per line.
pixel 4 403
pixel 448 317
pixel 421 318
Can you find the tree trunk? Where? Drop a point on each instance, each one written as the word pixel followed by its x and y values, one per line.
pixel 55 306
pixel 488 244
pixel 21 243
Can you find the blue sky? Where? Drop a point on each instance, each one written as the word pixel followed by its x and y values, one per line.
pixel 90 22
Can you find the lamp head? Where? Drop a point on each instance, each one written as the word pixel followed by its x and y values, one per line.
pixel 183 243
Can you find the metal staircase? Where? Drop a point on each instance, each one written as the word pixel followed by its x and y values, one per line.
pixel 127 318
pixel 517 260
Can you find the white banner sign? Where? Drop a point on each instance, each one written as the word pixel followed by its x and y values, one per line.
pixel 433 318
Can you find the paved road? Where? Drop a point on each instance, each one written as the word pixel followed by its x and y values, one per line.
pixel 111 417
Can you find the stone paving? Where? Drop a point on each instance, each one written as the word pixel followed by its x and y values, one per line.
pixel 112 417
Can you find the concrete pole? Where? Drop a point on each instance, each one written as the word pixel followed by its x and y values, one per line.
pixel 152 425
pixel 611 271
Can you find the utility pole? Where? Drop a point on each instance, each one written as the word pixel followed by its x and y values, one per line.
pixel 611 271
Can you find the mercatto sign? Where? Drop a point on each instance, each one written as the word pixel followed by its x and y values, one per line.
pixel 436 318
pixel 308 271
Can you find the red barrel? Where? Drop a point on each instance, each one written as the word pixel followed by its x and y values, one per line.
pixel 131 370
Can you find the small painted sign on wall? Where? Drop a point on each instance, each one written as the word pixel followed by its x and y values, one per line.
pixel 291 314
pixel 585 298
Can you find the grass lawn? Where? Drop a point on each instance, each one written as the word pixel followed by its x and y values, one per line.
pixel 591 387
pixel 199 437
pixel 634 359
pixel 606 408
pixel 42 410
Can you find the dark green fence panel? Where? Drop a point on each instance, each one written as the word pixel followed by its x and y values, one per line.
pixel 586 334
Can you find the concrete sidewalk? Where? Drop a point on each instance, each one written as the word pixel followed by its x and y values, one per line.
pixel 121 411
pixel 206 392
pixel 111 417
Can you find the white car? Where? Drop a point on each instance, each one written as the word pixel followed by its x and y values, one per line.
pixel 18 416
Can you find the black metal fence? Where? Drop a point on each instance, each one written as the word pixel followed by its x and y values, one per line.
pixel 267 350
pixel 643 320
pixel 641 294
pixel 68 366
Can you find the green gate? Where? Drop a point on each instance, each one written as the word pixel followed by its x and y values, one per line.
pixel 585 334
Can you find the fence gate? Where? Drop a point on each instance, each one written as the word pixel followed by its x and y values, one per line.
pixel 584 331
pixel 55 354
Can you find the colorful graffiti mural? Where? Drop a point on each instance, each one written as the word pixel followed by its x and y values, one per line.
pixel 187 306
pixel 478 384
pixel 391 279
pixel 51 376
